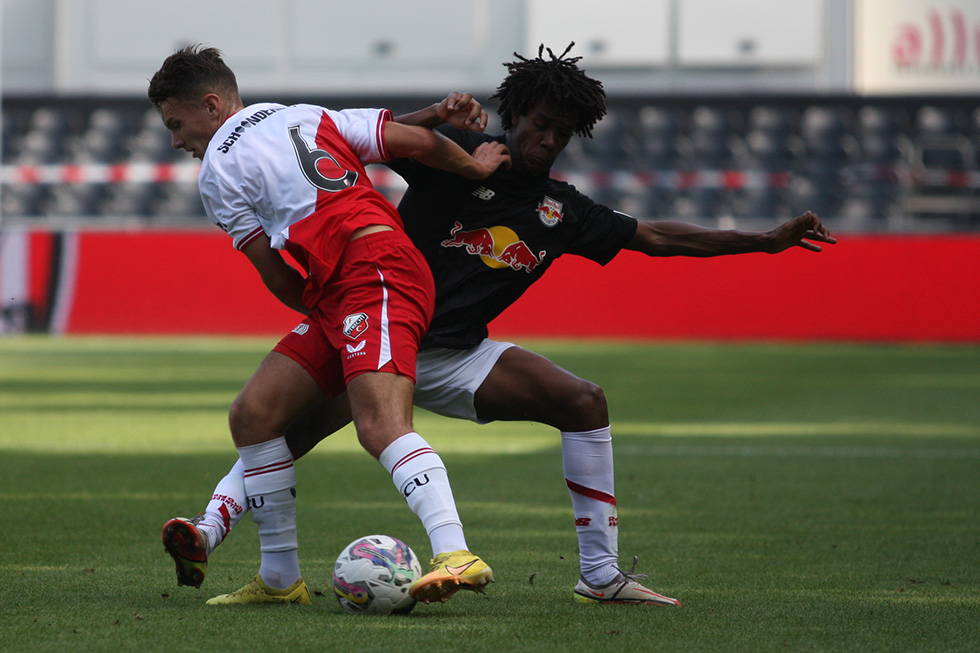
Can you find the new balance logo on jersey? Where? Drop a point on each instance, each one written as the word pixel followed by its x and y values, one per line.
pixel 301 328
pixel 483 193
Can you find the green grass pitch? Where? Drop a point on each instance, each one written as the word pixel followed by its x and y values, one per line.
pixel 820 497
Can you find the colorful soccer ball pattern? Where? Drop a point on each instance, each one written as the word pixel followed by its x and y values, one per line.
pixel 372 576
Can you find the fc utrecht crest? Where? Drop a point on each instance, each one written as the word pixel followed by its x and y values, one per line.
pixel 355 325
pixel 549 211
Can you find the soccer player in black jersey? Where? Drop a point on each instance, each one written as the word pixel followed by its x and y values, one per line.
pixel 486 243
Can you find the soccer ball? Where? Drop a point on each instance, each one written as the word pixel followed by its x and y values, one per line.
pixel 372 576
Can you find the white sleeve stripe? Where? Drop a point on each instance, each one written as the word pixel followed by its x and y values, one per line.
pixel 250 237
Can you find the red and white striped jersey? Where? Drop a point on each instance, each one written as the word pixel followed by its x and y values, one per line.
pixel 270 166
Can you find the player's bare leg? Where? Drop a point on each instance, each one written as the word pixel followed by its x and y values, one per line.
pixel 326 418
pixel 190 542
pixel 278 392
pixel 381 405
pixel 529 387
pixel 526 386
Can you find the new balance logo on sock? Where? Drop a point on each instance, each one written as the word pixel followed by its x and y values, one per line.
pixel 583 521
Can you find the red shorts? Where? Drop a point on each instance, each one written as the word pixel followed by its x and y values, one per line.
pixel 371 316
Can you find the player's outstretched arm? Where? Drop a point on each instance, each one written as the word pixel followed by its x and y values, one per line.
pixel 803 231
pixel 460 110
pixel 435 150
pixel 669 238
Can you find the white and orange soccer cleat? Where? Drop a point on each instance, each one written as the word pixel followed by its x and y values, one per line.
pixel 625 588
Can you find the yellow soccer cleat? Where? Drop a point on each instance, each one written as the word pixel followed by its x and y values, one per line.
pixel 258 592
pixel 449 573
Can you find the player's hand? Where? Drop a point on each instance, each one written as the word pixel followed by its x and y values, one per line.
pixel 489 157
pixel 798 232
pixel 462 111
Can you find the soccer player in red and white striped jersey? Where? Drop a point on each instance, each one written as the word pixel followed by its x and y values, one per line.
pixel 292 178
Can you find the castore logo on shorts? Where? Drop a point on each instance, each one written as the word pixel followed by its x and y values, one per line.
pixel 356 350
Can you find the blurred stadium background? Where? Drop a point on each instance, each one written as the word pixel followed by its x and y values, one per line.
pixel 729 114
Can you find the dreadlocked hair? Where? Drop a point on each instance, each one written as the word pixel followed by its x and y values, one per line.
pixel 556 82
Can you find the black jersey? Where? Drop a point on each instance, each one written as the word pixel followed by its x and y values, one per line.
pixel 488 241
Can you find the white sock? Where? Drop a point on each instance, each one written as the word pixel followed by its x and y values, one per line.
pixel 270 482
pixel 587 459
pixel 420 475
pixel 227 506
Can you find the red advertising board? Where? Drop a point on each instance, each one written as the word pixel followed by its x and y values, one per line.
pixel 887 288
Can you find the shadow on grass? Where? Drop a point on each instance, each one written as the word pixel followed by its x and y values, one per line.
pixel 768 543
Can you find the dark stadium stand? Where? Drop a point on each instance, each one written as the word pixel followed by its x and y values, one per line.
pixel 871 165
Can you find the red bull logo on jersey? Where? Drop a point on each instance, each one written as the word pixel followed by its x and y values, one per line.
pixel 549 211
pixel 355 325
pixel 497 247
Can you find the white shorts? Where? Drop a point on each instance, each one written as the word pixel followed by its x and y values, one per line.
pixel 447 379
